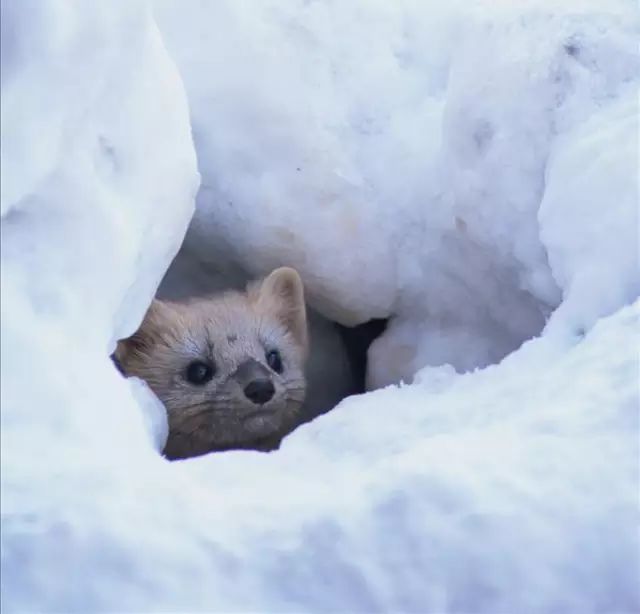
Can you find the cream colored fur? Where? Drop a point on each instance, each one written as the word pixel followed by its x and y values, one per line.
pixel 228 331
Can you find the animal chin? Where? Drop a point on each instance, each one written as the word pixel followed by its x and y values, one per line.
pixel 262 422
pixel 216 428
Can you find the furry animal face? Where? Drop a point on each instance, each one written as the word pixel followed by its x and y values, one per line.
pixel 229 369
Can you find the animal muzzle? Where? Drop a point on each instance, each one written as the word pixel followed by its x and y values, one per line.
pixel 255 381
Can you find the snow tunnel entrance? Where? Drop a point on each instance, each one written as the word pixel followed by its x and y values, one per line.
pixel 340 363
pixel 357 340
pixel 337 362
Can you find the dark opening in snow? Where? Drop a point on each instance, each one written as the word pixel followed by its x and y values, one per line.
pixel 337 364
pixel 357 340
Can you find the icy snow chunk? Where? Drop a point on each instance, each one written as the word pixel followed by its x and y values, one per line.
pixel 96 150
pixel 295 145
pixel 98 184
pixel 589 215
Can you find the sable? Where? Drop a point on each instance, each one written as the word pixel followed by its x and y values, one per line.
pixel 229 368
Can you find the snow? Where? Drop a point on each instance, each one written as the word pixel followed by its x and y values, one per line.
pixel 596 168
pixel 112 132
pixel 469 171
pixel 404 151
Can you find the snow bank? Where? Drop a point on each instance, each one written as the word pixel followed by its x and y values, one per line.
pixel 511 489
pixel 595 258
pixel 453 168
pixel 98 185
pixel 404 151
pixel 95 150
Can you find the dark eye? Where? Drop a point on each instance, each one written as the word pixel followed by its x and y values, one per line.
pixel 274 360
pixel 199 372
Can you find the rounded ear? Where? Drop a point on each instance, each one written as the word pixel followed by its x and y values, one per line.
pixel 282 293
pixel 141 342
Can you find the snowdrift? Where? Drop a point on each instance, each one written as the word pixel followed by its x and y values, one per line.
pixel 469 173
pixel 398 156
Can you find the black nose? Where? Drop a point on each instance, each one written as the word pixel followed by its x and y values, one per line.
pixel 259 391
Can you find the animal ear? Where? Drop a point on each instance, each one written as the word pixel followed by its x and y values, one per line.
pixel 282 293
pixel 141 342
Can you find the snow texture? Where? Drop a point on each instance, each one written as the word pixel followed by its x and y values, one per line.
pixel 403 149
pixel 469 170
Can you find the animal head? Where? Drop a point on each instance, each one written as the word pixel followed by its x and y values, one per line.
pixel 229 368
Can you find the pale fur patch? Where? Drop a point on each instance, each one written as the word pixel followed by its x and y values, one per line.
pixel 225 330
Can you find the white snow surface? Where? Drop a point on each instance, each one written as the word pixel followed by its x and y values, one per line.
pixel 470 172
pixel 397 155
